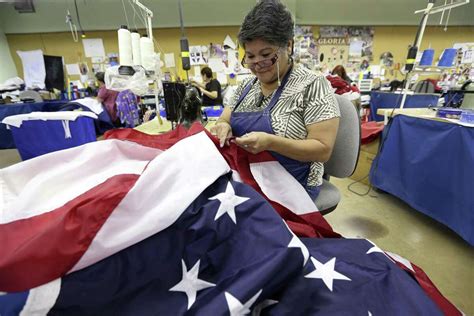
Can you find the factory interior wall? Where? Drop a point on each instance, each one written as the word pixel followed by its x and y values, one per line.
pixel 7 67
pixel 386 38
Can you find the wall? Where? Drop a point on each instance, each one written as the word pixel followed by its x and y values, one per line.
pixel 109 14
pixel 397 39
pixel 7 67
pixel 394 39
pixel 61 44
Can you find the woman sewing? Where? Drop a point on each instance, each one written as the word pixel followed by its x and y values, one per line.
pixel 283 108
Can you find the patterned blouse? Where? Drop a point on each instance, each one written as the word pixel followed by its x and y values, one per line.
pixel 307 98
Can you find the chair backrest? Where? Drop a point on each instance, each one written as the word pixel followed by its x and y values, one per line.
pixel 346 149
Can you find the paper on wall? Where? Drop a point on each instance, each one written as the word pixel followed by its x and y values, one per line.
pixel 222 78
pixel 34 70
pixel 355 49
pixel 197 71
pixel 233 61
pixel 97 60
pixel 229 42
pixel 169 60
pixel 216 64
pixel 73 69
pixel 195 55
pixel 93 47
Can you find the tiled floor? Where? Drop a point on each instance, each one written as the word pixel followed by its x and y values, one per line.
pixel 394 226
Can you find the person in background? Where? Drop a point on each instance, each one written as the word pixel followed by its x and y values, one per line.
pixel 340 71
pixel 210 90
pixel 283 108
pixel 107 98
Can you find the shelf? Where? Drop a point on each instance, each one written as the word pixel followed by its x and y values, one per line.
pixel 431 69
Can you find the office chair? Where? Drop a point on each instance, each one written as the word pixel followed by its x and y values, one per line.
pixel 344 157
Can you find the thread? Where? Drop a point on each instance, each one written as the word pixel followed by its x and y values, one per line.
pixel 147 51
pixel 125 46
pixel 137 57
pixel 447 58
pixel 427 57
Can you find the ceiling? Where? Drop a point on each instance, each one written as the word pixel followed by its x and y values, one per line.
pixel 49 15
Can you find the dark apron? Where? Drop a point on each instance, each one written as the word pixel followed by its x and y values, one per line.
pixel 246 122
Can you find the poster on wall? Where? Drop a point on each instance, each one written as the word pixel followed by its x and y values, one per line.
pixel 333 51
pixel 195 55
pixel 358 42
pixel 363 34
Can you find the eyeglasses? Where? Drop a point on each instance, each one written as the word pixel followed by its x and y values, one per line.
pixel 261 64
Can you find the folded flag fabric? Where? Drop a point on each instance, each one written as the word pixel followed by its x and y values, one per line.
pixel 118 228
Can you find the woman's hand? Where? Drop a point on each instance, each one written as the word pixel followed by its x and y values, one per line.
pixel 223 131
pixel 255 142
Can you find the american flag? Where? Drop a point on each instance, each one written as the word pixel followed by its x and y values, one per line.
pixel 174 225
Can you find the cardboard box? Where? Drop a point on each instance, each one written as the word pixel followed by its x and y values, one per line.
pixel 363 167
pixel 366 157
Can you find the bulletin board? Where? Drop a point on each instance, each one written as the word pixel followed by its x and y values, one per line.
pixel 350 46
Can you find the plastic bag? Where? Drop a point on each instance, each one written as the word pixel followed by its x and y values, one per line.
pixel 138 83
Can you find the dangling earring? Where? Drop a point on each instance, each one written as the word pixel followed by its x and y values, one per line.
pixel 278 73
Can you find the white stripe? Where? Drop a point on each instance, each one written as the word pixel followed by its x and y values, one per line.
pixel 41 299
pixel 280 186
pixel 236 176
pixel 170 183
pixel 47 182
pixel 401 260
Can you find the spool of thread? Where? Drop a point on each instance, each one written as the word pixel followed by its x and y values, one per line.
pixel 427 57
pixel 147 51
pixel 447 58
pixel 137 57
pixel 125 46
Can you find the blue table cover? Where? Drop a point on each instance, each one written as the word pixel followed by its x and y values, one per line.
pixel 430 165
pixel 6 138
pixel 37 137
pixel 388 100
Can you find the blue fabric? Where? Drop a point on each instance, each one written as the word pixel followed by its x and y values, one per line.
pixel 37 137
pixel 253 256
pixel 388 100
pixel 246 122
pixel 6 138
pixel 430 165
pixel 103 122
pixel 12 304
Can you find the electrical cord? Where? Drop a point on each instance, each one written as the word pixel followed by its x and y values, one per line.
pixel 78 18
pixel 125 12
pixel 381 147
pixel 142 17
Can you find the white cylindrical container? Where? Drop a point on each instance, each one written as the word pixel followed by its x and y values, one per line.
pixel 147 51
pixel 137 57
pixel 125 46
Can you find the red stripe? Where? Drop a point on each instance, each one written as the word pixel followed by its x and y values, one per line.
pixel 162 141
pixel 43 248
pixel 308 225
pixel 431 290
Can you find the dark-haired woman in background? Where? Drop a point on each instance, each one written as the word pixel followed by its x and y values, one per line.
pixel 211 89
pixel 283 108
pixel 107 98
pixel 340 71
